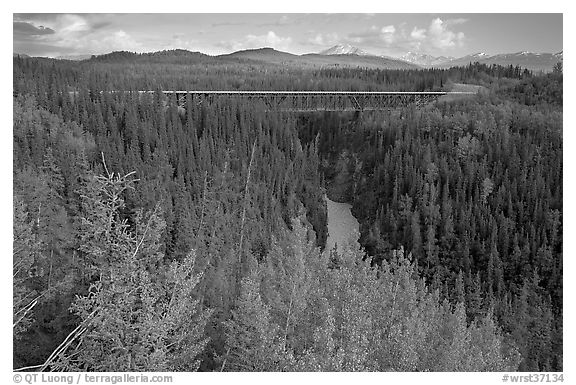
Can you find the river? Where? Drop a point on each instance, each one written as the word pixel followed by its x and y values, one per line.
pixel 343 227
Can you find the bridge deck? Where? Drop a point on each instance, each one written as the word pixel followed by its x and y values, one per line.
pixel 302 101
pixel 311 93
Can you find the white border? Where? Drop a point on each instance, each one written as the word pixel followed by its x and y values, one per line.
pixel 295 6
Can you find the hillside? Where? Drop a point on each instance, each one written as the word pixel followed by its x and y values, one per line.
pixel 371 62
pixel 267 55
pixel 272 56
pixel 177 56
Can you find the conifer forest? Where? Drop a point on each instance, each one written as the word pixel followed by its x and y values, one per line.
pixel 152 237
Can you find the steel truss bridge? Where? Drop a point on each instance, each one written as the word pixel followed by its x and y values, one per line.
pixel 308 101
pixel 305 101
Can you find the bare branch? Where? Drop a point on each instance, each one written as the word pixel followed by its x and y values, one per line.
pixel 105 167
pixel 245 202
pixel 77 332
pixel 27 368
pixel 288 317
pixel 225 359
pixel 145 230
pixel 28 308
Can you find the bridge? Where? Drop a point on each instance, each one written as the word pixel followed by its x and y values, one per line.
pixel 303 101
pixel 308 101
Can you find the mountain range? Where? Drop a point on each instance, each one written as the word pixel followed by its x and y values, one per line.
pixel 334 59
pixel 425 60
pixel 530 60
pixel 346 49
pixel 337 56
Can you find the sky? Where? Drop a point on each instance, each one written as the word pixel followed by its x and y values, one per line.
pixel 393 34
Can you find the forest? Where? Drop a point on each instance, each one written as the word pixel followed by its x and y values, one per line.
pixel 147 238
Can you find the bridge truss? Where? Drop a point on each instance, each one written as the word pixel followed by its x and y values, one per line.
pixel 307 101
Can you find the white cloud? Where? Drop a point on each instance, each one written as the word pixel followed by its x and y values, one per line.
pixel 388 29
pixel 284 19
pixel 100 42
pixel 418 34
pixel 441 37
pixel 269 39
pixel 179 41
pixel 436 38
pixel 387 34
pixel 324 40
pixel 374 36
pixel 67 24
pixel 84 34
pixel 456 21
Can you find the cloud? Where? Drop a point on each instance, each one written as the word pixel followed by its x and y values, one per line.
pixel 387 34
pixel 269 39
pixel 283 20
pixel 66 34
pixel 367 34
pixel 34 16
pixel 228 24
pixel 441 37
pixel 374 36
pixel 438 36
pixel 178 41
pixel 456 21
pixel 118 40
pixel 388 29
pixel 29 29
pixel 78 31
pixel 323 39
pixel 418 34
pixel 100 25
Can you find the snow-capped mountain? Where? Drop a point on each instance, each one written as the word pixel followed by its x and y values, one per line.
pixel 423 59
pixel 344 49
pixel 529 60
pixel 480 57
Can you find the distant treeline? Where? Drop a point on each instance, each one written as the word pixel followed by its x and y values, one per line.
pixel 183 70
